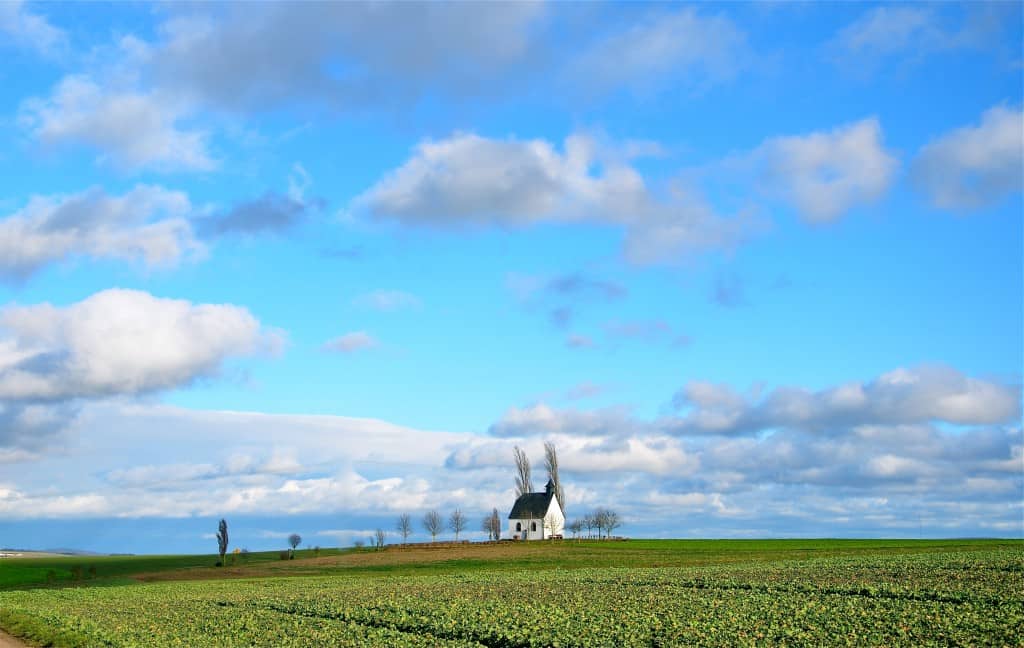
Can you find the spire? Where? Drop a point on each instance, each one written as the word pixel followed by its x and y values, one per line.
pixel 550 487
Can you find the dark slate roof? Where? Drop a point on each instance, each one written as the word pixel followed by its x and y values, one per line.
pixel 531 506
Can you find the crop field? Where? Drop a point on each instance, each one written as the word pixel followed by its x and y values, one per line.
pixel 931 595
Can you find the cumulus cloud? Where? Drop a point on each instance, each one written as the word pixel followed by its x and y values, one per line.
pixel 271 212
pixel 918 395
pixel 323 464
pixel 170 475
pixel 346 491
pixel 131 128
pixel 146 104
pixel 887 30
pixel 351 342
pixel 542 419
pixel 861 475
pixel 148 224
pixel 654 455
pixel 663 47
pixel 119 342
pixel 863 479
pixel 29 30
pixel 825 174
pixel 270 54
pixel 910 33
pixel 469 180
pixel 974 166
pixel 27 427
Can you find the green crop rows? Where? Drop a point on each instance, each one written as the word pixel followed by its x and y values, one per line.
pixel 971 598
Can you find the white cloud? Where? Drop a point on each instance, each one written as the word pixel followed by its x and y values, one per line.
pixel 133 129
pixel 583 452
pixel 909 33
pixel 887 30
pixel 469 180
pixel 542 419
pixel 277 463
pixel 261 56
pixel 387 300
pixel 29 30
pixel 791 479
pixel 918 395
pixel 351 342
pixel 120 342
pixel 825 174
pixel 664 47
pixel 974 166
pixel 148 223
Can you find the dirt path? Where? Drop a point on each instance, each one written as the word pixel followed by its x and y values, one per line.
pixel 7 641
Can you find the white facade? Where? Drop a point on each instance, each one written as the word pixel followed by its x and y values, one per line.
pixel 552 523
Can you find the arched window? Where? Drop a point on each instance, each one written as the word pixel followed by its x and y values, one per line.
pixel 519 526
pixel 533 526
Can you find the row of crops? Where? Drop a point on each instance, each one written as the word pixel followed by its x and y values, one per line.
pixel 916 599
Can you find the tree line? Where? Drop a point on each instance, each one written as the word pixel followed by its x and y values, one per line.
pixel 603 520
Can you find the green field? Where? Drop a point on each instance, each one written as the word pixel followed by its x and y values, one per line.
pixel 635 593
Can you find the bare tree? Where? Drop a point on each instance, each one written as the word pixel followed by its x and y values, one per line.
pixel 551 464
pixel 599 520
pixel 378 538
pixel 433 524
pixel 457 523
pixel 576 526
pixel 222 539
pixel 588 521
pixel 492 525
pixel 404 526
pixel 524 484
pixel 611 522
pixel 549 525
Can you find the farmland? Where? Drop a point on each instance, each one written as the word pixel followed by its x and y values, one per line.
pixel 639 593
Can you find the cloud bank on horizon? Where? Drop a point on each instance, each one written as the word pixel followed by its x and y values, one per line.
pixel 754 270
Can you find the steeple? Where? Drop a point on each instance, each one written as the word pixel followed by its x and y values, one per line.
pixel 550 487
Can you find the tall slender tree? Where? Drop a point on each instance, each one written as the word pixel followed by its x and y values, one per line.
pixel 551 464
pixel 457 523
pixel 524 483
pixel 432 523
pixel 222 539
pixel 404 526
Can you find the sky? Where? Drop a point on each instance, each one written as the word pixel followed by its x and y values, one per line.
pixel 754 269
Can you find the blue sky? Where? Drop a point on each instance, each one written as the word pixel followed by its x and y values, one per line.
pixel 755 269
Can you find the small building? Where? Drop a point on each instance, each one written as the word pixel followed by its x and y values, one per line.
pixel 536 516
